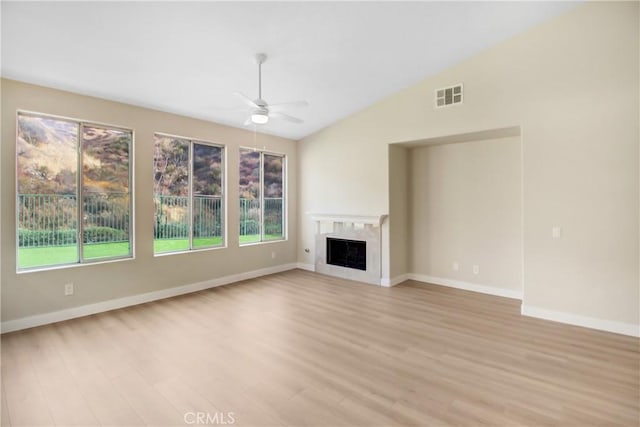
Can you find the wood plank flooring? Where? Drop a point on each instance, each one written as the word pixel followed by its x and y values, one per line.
pixel 301 349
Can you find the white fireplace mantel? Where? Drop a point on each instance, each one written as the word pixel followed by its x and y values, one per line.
pixel 375 220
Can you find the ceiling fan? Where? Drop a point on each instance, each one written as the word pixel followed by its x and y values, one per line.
pixel 260 110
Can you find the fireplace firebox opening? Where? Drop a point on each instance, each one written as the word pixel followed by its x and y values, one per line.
pixel 347 253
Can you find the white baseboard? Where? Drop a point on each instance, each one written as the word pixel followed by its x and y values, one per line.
pixel 389 282
pixel 584 321
pixel 85 310
pixel 467 286
pixel 541 313
pixel 308 267
pixel 71 313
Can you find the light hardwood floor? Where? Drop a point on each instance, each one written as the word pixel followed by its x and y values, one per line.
pixel 298 348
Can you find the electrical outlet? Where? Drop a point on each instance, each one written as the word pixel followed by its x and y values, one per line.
pixel 273 255
pixel 556 232
pixel 68 289
pixel 455 266
pixel 476 269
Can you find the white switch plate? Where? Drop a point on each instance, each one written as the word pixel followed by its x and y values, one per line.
pixel 455 266
pixel 476 269
pixel 556 232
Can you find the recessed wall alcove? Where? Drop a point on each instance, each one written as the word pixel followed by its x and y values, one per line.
pixel 456 211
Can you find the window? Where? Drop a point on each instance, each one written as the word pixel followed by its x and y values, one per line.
pixel 188 194
pixel 262 213
pixel 73 191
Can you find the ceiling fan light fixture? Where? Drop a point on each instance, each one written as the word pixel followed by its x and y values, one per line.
pixel 259 117
pixel 260 111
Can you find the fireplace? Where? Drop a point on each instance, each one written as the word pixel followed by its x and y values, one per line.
pixel 347 253
pixel 349 246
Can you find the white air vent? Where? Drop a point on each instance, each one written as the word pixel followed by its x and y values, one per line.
pixel 449 96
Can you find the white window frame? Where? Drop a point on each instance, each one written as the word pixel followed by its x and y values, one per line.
pixel 223 196
pixel 79 191
pixel 285 196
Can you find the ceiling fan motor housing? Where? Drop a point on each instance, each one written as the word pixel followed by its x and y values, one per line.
pixel 260 109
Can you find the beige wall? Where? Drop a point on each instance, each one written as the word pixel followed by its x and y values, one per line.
pixel 399 211
pixel 34 293
pixel 342 174
pixel 465 207
pixel 572 85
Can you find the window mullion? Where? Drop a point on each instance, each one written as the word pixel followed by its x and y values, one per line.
pixel 131 159
pixel 223 195
pixel 190 199
pixel 80 196
pixel 262 196
pixel 283 209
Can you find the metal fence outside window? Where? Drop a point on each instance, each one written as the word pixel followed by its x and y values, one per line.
pixel 172 217
pixel 52 220
pixel 250 216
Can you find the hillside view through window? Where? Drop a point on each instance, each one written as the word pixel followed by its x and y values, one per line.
pixel 261 190
pixel 188 194
pixel 73 192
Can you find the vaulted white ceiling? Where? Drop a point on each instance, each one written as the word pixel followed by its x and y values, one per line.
pixel 189 58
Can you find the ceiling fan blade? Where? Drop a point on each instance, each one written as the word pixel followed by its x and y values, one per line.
pixel 228 110
pixel 246 100
pixel 284 105
pixel 285 117
pixel 247 122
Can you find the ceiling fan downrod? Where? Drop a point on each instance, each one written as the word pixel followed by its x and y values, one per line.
pixel 260 59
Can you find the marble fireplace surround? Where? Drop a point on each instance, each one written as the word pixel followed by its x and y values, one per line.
pixel 352 227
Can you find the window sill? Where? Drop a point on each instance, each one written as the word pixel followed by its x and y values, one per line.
pixel 264 242
pixel 74 265
pixel 190 251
